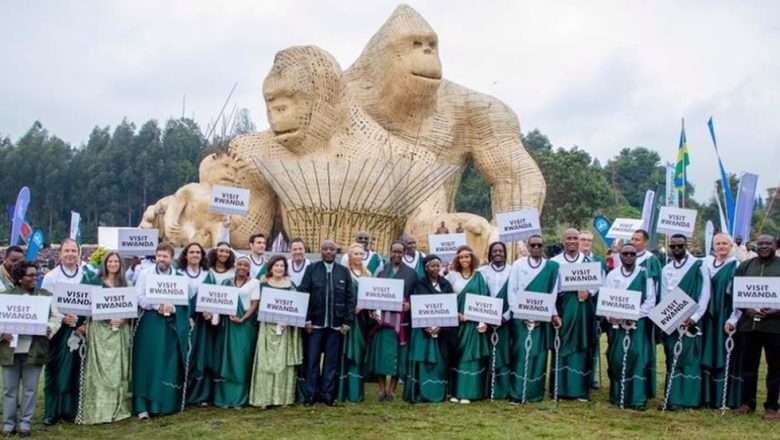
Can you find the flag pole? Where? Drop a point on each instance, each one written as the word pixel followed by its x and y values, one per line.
pixel 685 169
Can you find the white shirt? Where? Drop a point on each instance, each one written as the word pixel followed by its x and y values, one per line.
pixel 296 274
pixel 140 286
pixel 496 280
pixel 413 262
pixel 617 280
pixel 194 279
pixel 256 265
pixel 521 275
pixel 562 260
pixel 671 277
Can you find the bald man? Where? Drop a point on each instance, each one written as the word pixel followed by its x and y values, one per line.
pixel 577 332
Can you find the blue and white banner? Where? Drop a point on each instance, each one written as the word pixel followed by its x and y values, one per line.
pixel 724 177
pixel 672 195
pixel 20 210
pixel 743 210
pixel 602 226
pixel 647 209
pixel 75 226
pixel 35 244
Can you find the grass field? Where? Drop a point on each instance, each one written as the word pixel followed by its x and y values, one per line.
pixel 483 420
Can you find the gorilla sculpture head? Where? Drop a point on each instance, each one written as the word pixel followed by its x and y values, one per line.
pixel 399 71
pixel 303 94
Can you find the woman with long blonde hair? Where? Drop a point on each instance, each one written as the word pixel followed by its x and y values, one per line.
pixel 351 370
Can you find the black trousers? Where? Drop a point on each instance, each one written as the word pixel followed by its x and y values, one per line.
pixel 751 344
pixel 321 385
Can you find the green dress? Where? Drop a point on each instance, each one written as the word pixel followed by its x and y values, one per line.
pixel 63 363
pixel 159 352
pixel 687 385
pixel 594 372
pixel 577 334
pixel 237 346
pixel 713 361
pixel 497 281
pixel 541 341
pixel 276 360
pixel 353 355
pixel 106 396
pixel 200 375
pixel 640 364
pixel 474 348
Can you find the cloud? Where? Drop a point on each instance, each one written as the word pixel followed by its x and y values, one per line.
pixel 602 75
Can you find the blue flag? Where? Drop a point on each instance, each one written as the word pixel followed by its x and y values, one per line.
pixel 35 244
pixel 724 177
pixel 602 225
pixel 743 211
pixel 20 210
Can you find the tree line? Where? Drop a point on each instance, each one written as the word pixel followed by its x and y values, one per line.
pixel 112 177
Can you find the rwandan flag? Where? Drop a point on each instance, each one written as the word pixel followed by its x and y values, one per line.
pixel 680 170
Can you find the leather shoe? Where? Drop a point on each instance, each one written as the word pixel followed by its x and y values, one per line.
pixel 770 414
pixel 743 410
pixel 330 402
pixel 308 403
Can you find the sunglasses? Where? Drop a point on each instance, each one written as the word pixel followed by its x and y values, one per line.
pixel 628 254
pixel 535 245
pixel 676 246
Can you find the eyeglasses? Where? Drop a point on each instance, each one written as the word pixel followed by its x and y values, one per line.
pixel 628 254
pixel 676 246
pixel 535 245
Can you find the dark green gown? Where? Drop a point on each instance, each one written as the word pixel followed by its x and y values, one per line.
pixel 204 357
pixel 353 355
pixel 541 343
pixel 473 348
pixel 640 364
pixel 237 351
pixel 686 389
pixel 713 361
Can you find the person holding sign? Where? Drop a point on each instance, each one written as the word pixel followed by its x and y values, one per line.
pixel 759 330
pixel 529 363
pixel 352 365
pixel 632 374
pixel 371 260
pixel 257 256
pixel 412 257
pixel 721 267
pixel 432 350
pixel 473 344
pixel 577 330
pixel 690 275
pixel 61 383
pixel 496 275
pixel 24 360
pixel 279 349
pixel 193 264
pixel 387 352
pixel 329 318
pixel 107 362
pixel 237 338
pixel 298 263
pixel 160 346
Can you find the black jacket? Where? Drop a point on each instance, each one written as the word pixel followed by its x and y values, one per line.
pixel 330 297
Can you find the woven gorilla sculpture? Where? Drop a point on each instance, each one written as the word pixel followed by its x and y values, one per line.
pixel 380 147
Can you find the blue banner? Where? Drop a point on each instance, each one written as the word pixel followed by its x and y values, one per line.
pixel 743 210
pixel 724 177
pixel 35 244
pixel 20 210
pixel 602 225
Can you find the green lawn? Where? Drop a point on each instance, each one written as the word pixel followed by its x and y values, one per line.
pixel 370 419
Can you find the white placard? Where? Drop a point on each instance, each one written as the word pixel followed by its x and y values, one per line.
pixel 673 310
pixel 580 276
pixel 446 245
pixel 380 294
pixel 137 241
pixel 24 314
pixel 534 306
pixel 673 220
pixel 73 299
pixel 756 292
pixel 229 200
pixel 114 303
pixel 283 306
pixel 479 308
pixel 619 303
pixel 435 310
pixel 624 228
pixel 518 225
pixel 212 298
pixel 167 289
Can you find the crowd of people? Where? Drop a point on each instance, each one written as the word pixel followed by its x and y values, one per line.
pixel 179 357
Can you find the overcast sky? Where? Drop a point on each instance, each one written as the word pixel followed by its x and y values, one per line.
pixel 602 75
